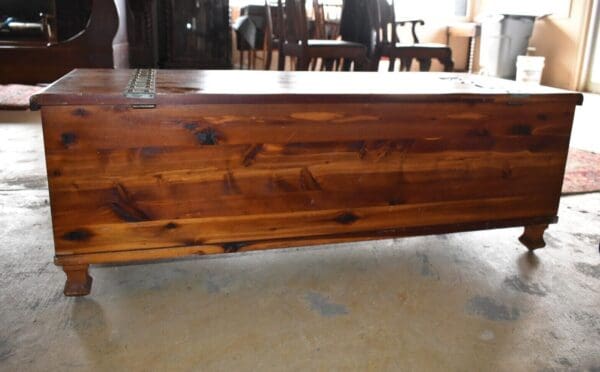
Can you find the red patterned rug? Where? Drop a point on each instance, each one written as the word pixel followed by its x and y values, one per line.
pixel 16 96
pixel 583 172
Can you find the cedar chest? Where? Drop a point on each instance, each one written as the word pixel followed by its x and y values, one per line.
pixel 146 164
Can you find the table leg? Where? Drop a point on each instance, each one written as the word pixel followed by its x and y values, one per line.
pixel 79 282
pixel 533 237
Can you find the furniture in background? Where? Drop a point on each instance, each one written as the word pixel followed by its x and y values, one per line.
pixel 33 21
pixel 325 28
pixel 42 21
pixel 469 30
pixel 274 34
pixel 389 45
pixel 145 47
pixel 251 31
pixel 180 33
pixel 85 37
pixel 306 51
pixel 197 34
pixel 190 164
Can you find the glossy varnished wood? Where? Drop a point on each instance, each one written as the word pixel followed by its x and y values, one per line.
pixel 204 169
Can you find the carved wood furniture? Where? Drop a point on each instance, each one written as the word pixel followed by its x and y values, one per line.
pixel 389 45
pixel 183 163
pixel 324 27
pixel 197 34
pixel 179 33
pixel 252 33
pixel 297 44
pixel 274 34
pixel 102 44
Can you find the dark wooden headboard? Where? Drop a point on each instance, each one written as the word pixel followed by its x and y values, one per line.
pixel 103 43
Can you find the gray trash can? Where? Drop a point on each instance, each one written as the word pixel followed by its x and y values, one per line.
pixel 503 38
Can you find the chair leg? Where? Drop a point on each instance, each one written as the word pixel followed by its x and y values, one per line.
pixel 280 61
pixel 392 64
pixel 268 52
pixel 302 63
pixel 328 64
pixel 405 63
pixel 448 64
pixel 424 64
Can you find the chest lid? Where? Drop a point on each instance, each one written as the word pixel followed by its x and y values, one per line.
pixel 155 87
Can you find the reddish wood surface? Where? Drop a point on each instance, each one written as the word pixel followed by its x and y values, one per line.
pixel 219 173
pixel 105 87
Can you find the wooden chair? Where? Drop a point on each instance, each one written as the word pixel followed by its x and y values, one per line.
pixel 324 28
pixel 273 35
pixel 389 45
pixel 297 45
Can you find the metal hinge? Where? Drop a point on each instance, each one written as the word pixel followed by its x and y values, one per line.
pixel 142 84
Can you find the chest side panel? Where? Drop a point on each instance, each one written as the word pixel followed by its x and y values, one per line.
pixel 123 178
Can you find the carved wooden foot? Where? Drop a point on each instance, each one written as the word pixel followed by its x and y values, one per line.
pixel 79 282
pixel 533 237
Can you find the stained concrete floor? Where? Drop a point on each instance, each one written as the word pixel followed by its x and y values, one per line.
pixel 463 302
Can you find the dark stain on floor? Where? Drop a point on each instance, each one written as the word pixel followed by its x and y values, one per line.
pixel 28 182
pixel 5 349
pixel 515 283
pixel 38 204
pixel 588 270
pixel 211 285
pixel 588 239
pixel 564 362
pixel 324 306
pixel 586 319
pixel 426 268
pixel 490 309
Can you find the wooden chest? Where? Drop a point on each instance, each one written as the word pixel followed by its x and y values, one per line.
pixel 227 161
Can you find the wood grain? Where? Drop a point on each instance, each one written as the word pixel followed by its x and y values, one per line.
pixel 205 178
pixel 155 178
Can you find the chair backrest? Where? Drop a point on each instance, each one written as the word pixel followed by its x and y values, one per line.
pixel 383 19
pixel 294 22
pixel 273 22
pixel 319 13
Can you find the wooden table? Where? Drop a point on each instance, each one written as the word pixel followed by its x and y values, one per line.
pixel 215 162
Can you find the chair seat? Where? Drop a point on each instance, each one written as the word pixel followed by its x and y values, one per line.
pixel 323 43
pixel 422 46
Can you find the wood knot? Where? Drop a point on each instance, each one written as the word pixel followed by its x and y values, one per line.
pixel 208 136
pixel 68 139
pixel 521 130
pixel 78 235
pixel 171 226
pixel 346 218
pixel 81 112
pixel 233 247
pixel 506 173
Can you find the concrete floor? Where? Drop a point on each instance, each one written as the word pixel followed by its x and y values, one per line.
pixel 470 301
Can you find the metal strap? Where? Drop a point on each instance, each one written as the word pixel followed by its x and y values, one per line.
pixel 142 84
